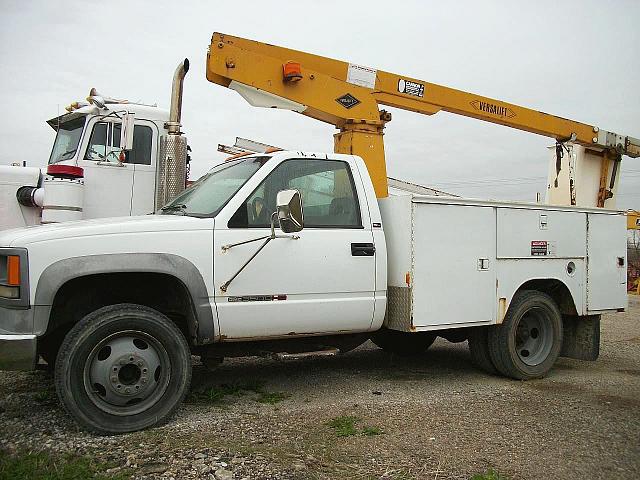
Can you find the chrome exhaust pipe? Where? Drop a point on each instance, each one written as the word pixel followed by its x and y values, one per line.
pixel 171 172
pixel 175 112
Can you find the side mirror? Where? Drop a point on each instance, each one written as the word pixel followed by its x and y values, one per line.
pixel 126 132
pixel 289 210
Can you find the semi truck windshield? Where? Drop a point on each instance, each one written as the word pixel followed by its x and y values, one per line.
pixel 67 140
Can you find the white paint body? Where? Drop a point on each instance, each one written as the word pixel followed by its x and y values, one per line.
pixel 578 181
pixel 63 199
pixel 465 259
pixel 437 241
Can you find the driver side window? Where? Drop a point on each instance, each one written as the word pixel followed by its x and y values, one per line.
pixel 104 144
pixel 329 196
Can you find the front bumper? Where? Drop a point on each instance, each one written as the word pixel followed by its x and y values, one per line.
pixel 18 352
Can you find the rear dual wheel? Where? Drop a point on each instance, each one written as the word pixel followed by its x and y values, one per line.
pixel 479 349
pixel 528 342
pixel 123 368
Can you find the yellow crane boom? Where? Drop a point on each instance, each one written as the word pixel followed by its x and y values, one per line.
pixel 348 96
pixel 633 220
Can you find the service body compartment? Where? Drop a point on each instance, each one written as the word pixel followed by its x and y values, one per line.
pixel 457 262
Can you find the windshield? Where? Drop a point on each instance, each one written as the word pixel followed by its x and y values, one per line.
pixel 67 140
pixel 207 196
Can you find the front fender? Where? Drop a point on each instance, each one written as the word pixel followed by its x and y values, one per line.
pixel 60 272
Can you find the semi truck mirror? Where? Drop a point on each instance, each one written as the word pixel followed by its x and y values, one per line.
pixel 126 132
pixel 289 209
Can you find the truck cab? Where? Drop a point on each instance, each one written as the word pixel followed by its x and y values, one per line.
pixel 109 158
pixel 112 187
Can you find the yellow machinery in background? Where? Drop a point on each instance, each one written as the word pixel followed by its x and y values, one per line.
pixel 633 220
pixel 633 223
pixel 348 96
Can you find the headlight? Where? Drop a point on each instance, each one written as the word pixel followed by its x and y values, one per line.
pixel 14 281
pixel 10 276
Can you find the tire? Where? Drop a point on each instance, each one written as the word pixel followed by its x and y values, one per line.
pixel 529 340
pixel 479 349
pixel 123 368
pixel 404 344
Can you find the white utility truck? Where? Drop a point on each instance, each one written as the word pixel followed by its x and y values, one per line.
pixel 291 253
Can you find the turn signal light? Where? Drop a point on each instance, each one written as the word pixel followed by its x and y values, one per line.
pixel 13 270
pixel 292 72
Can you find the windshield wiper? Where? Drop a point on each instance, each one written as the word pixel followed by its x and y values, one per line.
pixel 67 153
pixel 171 208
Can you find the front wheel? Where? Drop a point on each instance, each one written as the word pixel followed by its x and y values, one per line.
pixel 123 368
pixel 529 340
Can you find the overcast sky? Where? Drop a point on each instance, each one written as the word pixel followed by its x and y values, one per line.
pixel 579 60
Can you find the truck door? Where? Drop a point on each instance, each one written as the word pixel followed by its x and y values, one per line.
pixel 143 157
pixel 108 183
pixel 323 282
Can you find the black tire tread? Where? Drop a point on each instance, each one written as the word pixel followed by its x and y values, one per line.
pixel 479 349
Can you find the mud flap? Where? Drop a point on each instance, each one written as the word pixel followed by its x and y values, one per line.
pixel 581 337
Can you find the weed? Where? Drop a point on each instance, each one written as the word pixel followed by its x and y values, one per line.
pixel 42 466
pixel 217 394
pixel 489 475
pixel 345 425
pixel 272 397
pixel 43 396
pixel 371 431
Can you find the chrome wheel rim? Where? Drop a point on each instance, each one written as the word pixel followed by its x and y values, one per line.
pixel 127 373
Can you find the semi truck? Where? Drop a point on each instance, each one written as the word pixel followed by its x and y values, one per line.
pixel 294 254
pixel 110 158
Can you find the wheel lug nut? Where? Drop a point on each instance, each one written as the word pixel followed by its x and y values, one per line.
pixel 139 364
pixel 127 390
pixel 114 379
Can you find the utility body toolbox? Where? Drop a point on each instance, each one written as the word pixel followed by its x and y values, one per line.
pixel 456 262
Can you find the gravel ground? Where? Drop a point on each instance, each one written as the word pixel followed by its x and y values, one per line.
pixel 438 417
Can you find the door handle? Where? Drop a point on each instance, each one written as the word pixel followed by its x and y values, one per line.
pixel 363 249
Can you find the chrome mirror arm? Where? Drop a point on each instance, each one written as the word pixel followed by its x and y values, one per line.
pixel 267 239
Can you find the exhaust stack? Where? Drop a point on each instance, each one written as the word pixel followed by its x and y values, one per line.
pixel 171 177
pixel 175 113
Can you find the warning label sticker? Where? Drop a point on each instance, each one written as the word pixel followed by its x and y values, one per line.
pixel 539 248
pixel 361 76
pixel 411 88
